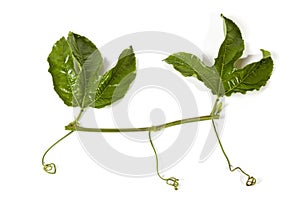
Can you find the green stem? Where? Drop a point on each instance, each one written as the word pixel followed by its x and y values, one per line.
pixel 76 121
pixel 215 106
pixel 75 127
pixel 172 181
pixel 251 180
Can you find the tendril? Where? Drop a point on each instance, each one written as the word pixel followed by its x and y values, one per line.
pixel 172 181
pixel 50 168
pixel 251 180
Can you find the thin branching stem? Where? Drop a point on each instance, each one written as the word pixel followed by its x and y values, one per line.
pixel 74 126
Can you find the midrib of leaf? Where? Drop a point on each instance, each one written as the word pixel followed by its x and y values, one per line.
pixel 198 72
pixel 84 84
pixel 77 76
pixel 222 69
pixel 77 102
pixel 81 64
pixel 114 76
pixel 207 80
pixel 102 91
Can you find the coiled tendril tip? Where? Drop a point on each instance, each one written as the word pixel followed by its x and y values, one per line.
pixel 50 168
pixel 172 181
pixel 251 181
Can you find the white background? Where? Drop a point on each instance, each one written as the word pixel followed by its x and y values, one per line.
pixel 260 133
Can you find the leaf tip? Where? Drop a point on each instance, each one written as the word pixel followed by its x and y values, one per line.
pixel 70 34
pixel 130 48
pixel 224 17
pixel 265 53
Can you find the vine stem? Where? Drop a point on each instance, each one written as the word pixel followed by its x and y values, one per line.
pixel 75 127
pixel 251 180
pixel 79 115
pixel 50 168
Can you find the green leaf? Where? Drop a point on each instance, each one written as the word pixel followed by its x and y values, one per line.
pixel 251 77
pixel 115 82
pixel 63 73
pixel 88 60
pixel 75 65
pixel 231 49
pixel 187 64
pixel 223 78
pixel 190 65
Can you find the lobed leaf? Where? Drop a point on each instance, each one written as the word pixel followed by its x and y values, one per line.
pixel 223 78
pixel 75 65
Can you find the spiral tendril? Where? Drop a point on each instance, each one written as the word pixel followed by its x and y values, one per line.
pixel 172 181
pixel 251 180
pixel 50 168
